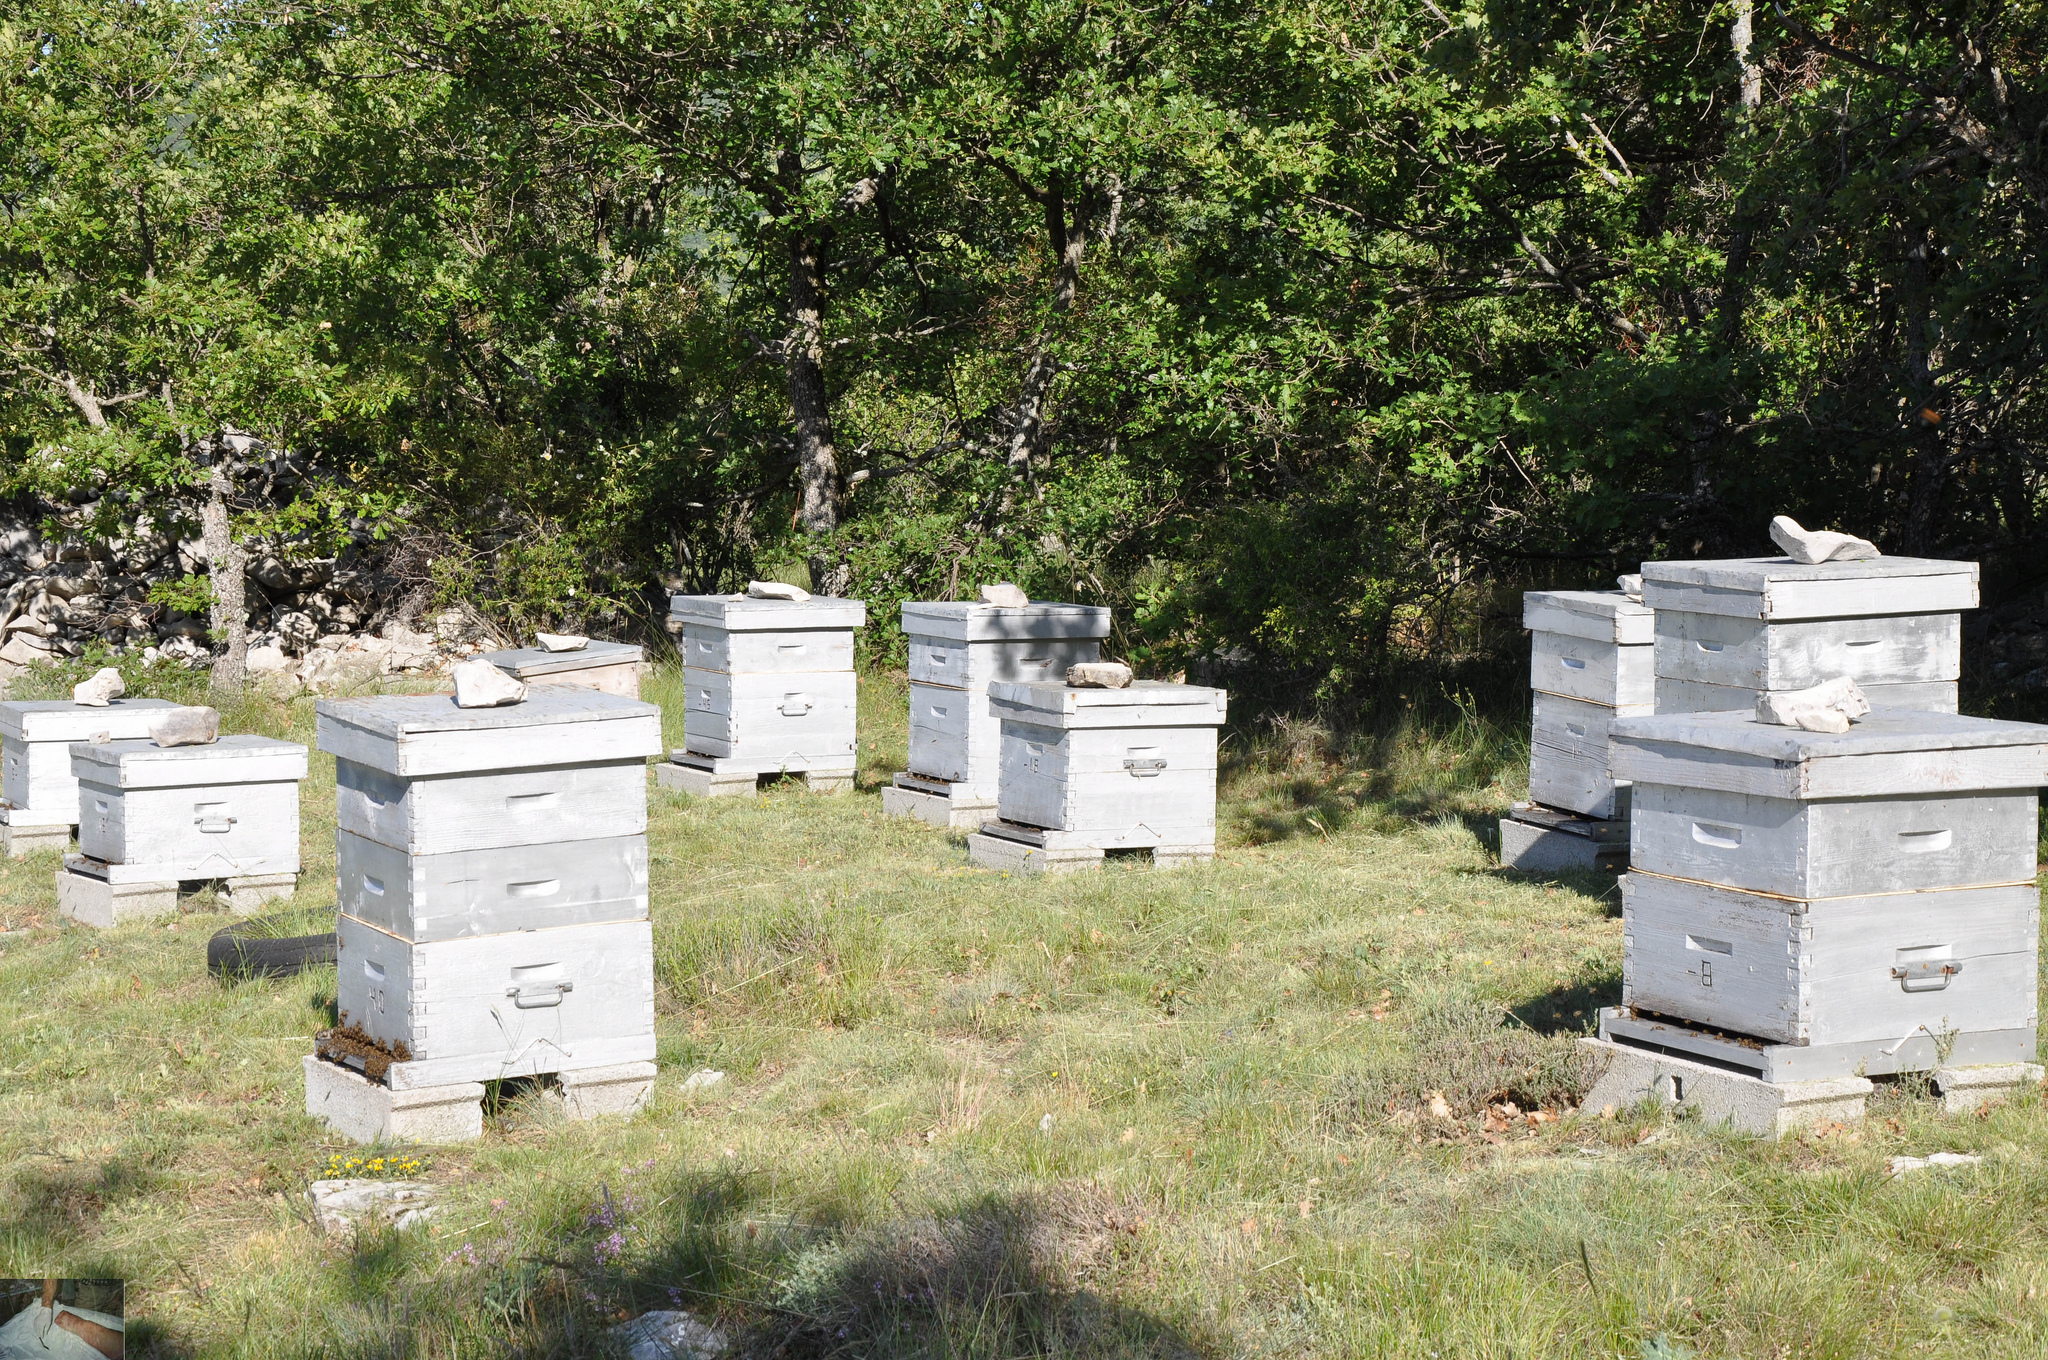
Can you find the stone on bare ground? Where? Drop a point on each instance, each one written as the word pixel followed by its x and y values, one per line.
pixel 668 1334
pixel 1629 1076
pixel 197 726
pixel 776 590
pixel 561 642
pixel 95 902
pixel 479 684
pixel 1099 675
pixel 105 686
pixel 1004 595
pixel 703 1079
pixel 266 660
pixel 1813 546
pixel 340 1205
pixel 369 1112
pixel 1906 1166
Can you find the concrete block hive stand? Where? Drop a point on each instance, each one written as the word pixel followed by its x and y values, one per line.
pixel 151 818
pixel 1589 663
pixel 1807 910
pixel 492 867
pixel 770 691
pixel 614 667
pixel 1084 771
pixel 38 792
pixel 957 650
pixel 1729 629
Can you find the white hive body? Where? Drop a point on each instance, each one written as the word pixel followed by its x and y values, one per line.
pixel 152 814
pixel 1861 902
pixel 1089 770
pixel 769 689
pixel 1728 629
pixel 614 667
pixel 492 867
pixel 957 650
pixel 1589 661
pixel 37 787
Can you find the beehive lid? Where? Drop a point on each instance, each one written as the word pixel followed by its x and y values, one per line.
pixel 1893 751
pixel 1602 615
pixel 241 759
pixel 1151 703
pixel 972 621
pixel 62 720
pixel 421 734
pixel 527 662
pixel 745 614
pixel 1779 588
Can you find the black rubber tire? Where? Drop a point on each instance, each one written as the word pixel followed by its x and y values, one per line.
pixel 233 953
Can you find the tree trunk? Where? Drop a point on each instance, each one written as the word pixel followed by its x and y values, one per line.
pixel 822 490
pixel 1069 241
pixel 1740 34
pixel 224 565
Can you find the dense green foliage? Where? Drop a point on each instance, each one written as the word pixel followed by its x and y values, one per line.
pixel 1295 331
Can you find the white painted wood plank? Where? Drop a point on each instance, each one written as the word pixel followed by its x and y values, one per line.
pixel 1575 780
pixel 490 892
pixel 1751 653
pixel 757 716
pixel 162 835
pixel 443 814
pixel 1688 696
pixel 239 759
pixel 61 720
pixel 780 650
pixel 972 621
pixel 1779 588
pixel 1599 615
pixel 1598 672
pixel 977 665
pixel 744 614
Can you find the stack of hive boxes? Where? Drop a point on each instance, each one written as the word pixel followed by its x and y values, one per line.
pixel 1085 770
pixel 492 868
pixel 770 691
pixel 1812 909
pixel 1589 663
pixel 38 792
pixel 1727 630
pixel 957 650
pixel 153 817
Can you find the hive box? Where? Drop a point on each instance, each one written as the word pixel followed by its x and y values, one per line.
pixel 151 814
pixel 492 869
pixel 38 792
pixel 769 690
pixel 1728 629
pixel 1088 770
pixel 1590 660
pixel 957 650
pixel 613 667
pixel 1859 902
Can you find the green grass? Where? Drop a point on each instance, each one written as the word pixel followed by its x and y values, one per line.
pixel 1119 1114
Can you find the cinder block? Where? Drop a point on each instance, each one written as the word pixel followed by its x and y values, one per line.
pixel 1540 849
pixel 245 895
pixel 1716 1096
pixel 700 783
pixel 94 901
pixel 949 811
pixel 1014 857
pixel 370 1112
pixel 1964 1089
pixel 620 1089
pixel 17 842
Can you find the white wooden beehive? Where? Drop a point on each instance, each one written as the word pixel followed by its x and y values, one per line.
pixel 1728 629
pixel 490 862
pixel 1832 888
pixel 957 650
pixel 769 683
pixel 1121 768
pixel 155 814
pixel 37 787
pixel 613 667
pixel 1589 660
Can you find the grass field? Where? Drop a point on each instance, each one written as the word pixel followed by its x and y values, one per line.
pixel 1132 1113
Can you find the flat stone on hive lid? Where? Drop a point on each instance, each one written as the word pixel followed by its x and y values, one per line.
pixel 1099 675
pixel 105 686
pixel 1004 594
pixel 1813 546
pixel 561 642
pixel 776 590
pixel 479 684
pixel 186 727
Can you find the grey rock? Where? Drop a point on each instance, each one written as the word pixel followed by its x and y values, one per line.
pixel 105 686
pixel 1906 1166
pixel 703 1079
pixel 1827 707
pixel 339 1205
pixel 668 1334
pixel 1099 675
pixel 479 684
pixel 267 660
pixel 328 670
pixel 295 630
pixel 185 651
pixel 1004 594
pixel 1812 546
pixel 777 590
pixel 186 727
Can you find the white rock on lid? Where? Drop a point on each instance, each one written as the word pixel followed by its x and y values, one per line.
pixel 777 590
pixel 1827 707
pixel 1812 546
pixel 105 686
pixel 1099 675
pixel 479 684
pixel 561 642
pixel 186 727
pixel 1004 594
pixel 1631 586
